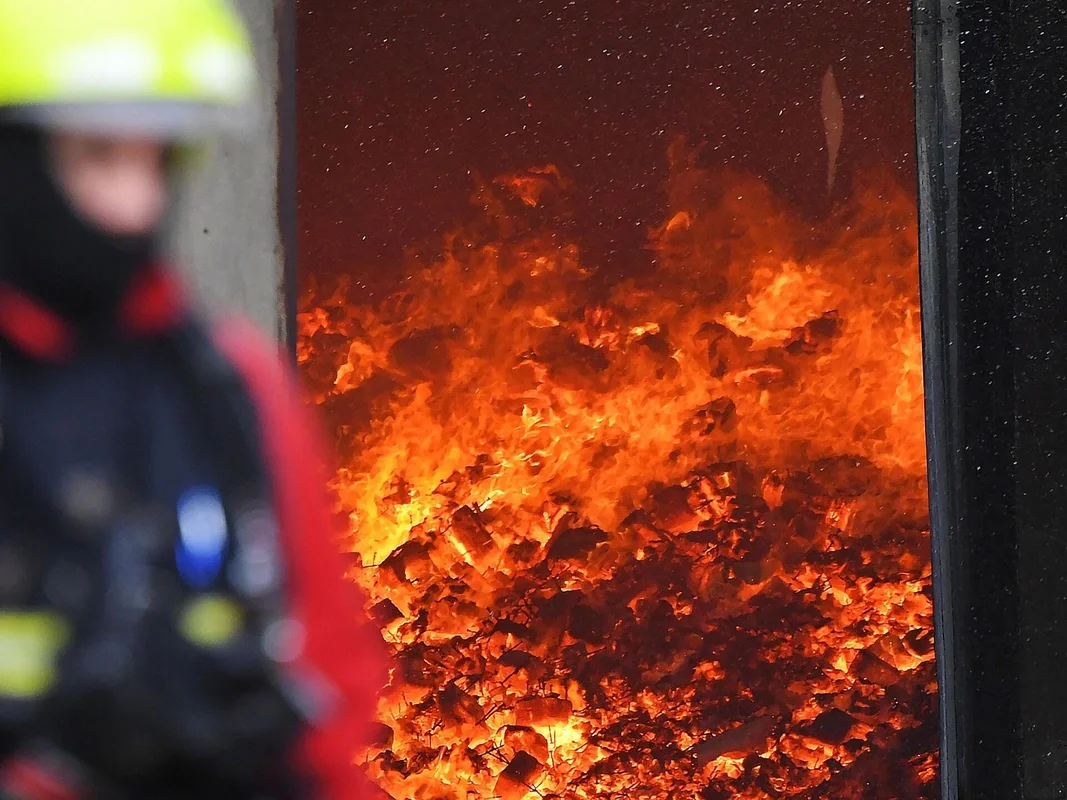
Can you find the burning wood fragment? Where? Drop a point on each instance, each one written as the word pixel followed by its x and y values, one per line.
pixel 815 336
pixel 832 726
pixel 718 415
pixel 575 543
pixel 726 350
pixel 870 668
pixel 408 560
pixel 542 710
pixel 748 738
pixel 470 534
pixel 518 778
pixel 671 510
pixel 385 613
pixel 533 666
pixel 459 706
pixel 422 355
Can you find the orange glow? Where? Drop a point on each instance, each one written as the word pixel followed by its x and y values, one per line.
pixel 658 541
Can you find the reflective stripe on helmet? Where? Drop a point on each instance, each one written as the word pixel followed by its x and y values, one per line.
pixel 163 120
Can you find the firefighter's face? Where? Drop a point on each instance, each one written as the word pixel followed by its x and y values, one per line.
pixel 119 185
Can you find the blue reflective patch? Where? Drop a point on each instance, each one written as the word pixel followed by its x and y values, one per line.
pixel 202 536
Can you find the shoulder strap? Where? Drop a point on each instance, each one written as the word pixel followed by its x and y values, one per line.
pixel 223 398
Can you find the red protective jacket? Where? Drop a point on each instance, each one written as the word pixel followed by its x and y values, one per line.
pixel 341 646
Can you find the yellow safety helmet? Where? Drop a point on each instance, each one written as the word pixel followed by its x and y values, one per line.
pixel 177 69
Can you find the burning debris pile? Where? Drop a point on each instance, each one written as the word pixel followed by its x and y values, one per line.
pixel 665 539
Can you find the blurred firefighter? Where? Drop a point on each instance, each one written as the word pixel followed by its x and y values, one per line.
pixel 174 620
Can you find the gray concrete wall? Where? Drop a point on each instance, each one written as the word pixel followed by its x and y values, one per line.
pixel 226 235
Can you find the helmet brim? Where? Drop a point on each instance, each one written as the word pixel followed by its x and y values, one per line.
pixel 169 121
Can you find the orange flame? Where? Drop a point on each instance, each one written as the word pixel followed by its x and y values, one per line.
pixel 574 507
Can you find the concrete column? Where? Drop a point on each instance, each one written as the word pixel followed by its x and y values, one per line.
pixel 227 236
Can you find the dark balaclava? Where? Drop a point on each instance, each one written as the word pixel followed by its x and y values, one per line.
pixel 47 250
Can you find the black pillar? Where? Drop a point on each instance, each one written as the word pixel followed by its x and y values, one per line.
pixel 1039 334
pixel 991 78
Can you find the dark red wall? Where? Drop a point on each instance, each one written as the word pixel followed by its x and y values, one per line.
pixel 400 98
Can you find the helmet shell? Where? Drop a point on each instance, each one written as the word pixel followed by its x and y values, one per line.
pixel 175 68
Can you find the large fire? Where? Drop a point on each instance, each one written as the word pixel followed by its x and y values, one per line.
pixel 661 539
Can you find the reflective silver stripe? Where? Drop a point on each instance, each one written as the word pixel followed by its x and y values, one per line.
pixel 163 119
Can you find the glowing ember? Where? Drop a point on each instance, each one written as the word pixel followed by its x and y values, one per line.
pixel 666 539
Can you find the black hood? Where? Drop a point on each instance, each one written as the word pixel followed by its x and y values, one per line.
pixel 47 250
